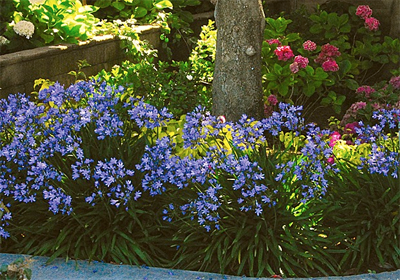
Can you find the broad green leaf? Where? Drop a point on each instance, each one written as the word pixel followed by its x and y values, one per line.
pixel 316 28
pixel 163 4
pixel 140 12
pixel 283 89
pixel 352 84
pixel 103 3
pixel 147 4
pixel 118 5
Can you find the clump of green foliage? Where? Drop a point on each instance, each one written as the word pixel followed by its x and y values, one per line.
pixel 179 86
pixel 17 270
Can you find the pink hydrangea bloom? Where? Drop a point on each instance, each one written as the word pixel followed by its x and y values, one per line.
pixel 395 82
pixel 294 67
pixel 309 45
pixel 366 90
pixel 330 65
pixel 330 50
pixel 301 61
pixel 334 137
pixel 274 41
pixel 268 110
pixel 363 11
pixel 358 106
pixel 272 100
pixel 372 23
pixel 376 106
pixel 351 113
pixel 284 53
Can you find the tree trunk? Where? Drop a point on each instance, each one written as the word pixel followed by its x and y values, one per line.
pixel 237 86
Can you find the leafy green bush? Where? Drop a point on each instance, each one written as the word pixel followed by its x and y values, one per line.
pixel 169 14
pixel 179 86
pixel 365 210
pixel 324 65
pixel 39 23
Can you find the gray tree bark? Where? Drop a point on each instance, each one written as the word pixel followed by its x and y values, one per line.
pixel 237 85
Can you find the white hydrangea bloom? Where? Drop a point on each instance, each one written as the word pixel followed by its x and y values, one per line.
pixel 24 28
pixel 4 41
pixel 37 1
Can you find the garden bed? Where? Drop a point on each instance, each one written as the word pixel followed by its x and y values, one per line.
pixel 19 70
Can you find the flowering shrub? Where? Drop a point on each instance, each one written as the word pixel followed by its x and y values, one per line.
pixel 96 165
pixel 24 28
pixel 382 95
pixel 342 52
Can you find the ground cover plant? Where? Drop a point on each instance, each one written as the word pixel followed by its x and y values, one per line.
pixel 101 170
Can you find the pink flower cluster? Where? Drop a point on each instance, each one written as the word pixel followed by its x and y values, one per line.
pixel 330 65
pixel 365 12
pixel 366 90
pixel 350 128
pixel 351 113
pixel 326 58
pixel 272 100
pixel 299 62
pixel 309 46
pixel 284 53
pixel 334 137
pixel 269 106
pixel 274 41
pixel 395 82
pixel 372 24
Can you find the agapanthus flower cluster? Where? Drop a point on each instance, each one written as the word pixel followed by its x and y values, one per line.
pixel 62 124
pixel 58 200
pixel 365 12
pixel 383 159
pixel 284 53
pixel 5 217
pixel 199 125
pixel 247 133
pixel 24 28
pixel 163 170
pixel 312 168
pixel 287 118
pixel 116 178
pixel 146 115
